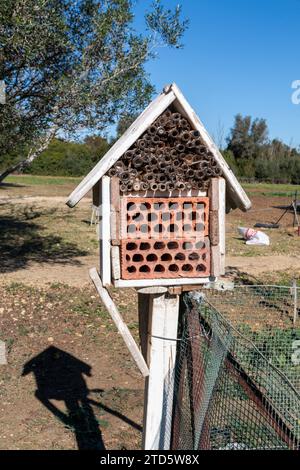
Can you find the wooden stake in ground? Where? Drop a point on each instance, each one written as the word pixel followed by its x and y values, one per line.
pixel 158 315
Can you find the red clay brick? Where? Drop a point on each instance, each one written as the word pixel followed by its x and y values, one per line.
pixel 164 238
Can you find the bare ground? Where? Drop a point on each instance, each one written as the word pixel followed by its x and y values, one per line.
pixel 70 382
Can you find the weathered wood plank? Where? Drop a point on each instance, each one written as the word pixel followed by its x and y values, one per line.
pixel 222 215
pixel 115 262
pixel 161 282
pixel 215 261
pixel 119 322
pixel 234 188
pixel 104 232
pixel 214 227
pixel 122 145
pixel 161 354
pixel 115 207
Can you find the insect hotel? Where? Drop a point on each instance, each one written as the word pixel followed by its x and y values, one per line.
pixel 162 192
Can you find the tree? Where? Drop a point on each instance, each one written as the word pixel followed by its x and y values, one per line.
pixel 247 137
pixel 69 66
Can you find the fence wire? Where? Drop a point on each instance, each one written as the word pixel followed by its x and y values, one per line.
pixel 237 374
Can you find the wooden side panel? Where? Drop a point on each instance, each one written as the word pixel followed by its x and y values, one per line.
pixel 104 232
pixel 96 194
pixel 217 225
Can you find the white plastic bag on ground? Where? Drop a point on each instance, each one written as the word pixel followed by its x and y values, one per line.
pixel 254 237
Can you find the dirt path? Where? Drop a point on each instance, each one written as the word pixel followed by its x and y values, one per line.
pixel 259 264
pixel 40 274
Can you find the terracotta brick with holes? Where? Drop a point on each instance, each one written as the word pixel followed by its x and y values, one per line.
pixel 164 238
pixel 158 218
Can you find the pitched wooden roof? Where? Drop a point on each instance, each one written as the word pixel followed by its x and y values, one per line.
pixel 236 196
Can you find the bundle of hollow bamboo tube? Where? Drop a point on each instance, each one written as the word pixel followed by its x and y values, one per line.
pixel 169 155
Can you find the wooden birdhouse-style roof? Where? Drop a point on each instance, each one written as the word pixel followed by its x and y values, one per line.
pixel 170 97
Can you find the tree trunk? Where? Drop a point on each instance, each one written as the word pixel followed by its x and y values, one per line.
pixel 19 166
pixel 32 155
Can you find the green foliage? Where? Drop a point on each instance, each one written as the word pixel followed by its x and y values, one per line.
pixel 69 66
pixel 250 154
pixel 64 158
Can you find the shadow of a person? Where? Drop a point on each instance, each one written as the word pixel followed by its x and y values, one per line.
pixel 60 376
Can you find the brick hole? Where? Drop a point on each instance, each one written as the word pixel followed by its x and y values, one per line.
pixel 173 228
pixel 187 267
pixel 144 269
pixel 194 215
pixel 137 217
pixel 166 257
pixel 200 206
pixel 152 217
pixel 152 257
pixel 165 216
pixel 199 227
pixel 193 256
pixel 131 228
pixel 131 207
pixel 204 256
pixel 179 216
pixel 187 246
pixel 131 269
pixel 179 257
pixel 187 206
pixel 145 206
pixel 173 206
pixel 159 245
pixel 159 268
pixel 187 228
pixel 144 228
pixel 131 246
pixel 173 246
pixel 145 246
pixel 137 257
pixel 199 245
pixel 159 206
pixel 159 228
pixel 173 268
pixel 200 268
pixel 127 258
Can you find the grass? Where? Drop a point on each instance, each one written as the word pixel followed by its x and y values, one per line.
pixel 42 180
pixel 272 190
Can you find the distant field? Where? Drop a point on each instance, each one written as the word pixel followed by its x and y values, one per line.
pixel 41 180
pixel 270 190
pixel 262 189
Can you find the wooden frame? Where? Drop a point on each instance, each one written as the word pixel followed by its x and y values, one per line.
pixel 236 196
pixel 158 314
pixel 104 231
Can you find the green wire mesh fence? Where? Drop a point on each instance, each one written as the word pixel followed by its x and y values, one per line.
pixel 237 378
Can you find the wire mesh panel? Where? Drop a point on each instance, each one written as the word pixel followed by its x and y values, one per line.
pixel 228 395
pixel 268 316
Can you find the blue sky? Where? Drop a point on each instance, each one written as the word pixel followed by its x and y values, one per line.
pixel 240 56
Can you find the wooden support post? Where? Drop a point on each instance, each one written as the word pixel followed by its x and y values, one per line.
pixel 217 225
pixel 222 212
pixel 115 208
pixel 119 322
pixel 158 331
pixel 104 232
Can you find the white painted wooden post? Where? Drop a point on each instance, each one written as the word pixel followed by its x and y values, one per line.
pixel 161 346
pixel 104 232
pixel 222 214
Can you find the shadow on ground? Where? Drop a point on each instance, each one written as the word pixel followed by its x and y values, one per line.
pixel 21 242
pixel 11 185
pixel 60 376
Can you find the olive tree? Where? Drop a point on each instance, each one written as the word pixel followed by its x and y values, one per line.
pixel 74 65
